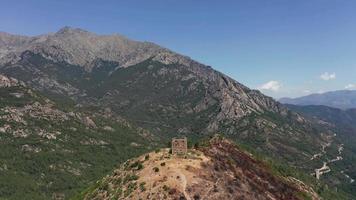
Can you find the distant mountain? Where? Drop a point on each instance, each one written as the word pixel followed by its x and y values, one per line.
pixel 344 120
pixel 123 97
pixel 343 99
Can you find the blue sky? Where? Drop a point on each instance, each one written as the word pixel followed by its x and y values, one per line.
pixel 283 47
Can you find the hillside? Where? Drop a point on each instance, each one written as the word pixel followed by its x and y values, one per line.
pixel 343 119
pixel 163 92
pixel 47 148
pixel 343 123
pixel 119 98
pixel 342 99
pixel 218 170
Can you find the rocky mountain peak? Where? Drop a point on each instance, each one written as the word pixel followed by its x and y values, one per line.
pixel 80 47
pixel 70 30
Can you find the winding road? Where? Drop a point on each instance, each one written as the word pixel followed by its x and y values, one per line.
pixel 325 168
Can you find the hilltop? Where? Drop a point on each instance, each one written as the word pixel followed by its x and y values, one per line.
pixel 216 170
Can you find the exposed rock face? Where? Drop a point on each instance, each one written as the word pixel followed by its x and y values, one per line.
pixel 89 122
pixel 108 128
pixel 148 86
pixel 82 48
pixel 35 110
pixel 7 82
pixel 29 148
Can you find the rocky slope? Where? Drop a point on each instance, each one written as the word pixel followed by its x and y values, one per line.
pixel 82 48
pixel 219 170
pixel 150 89
pixel 160 90
pixel 49 149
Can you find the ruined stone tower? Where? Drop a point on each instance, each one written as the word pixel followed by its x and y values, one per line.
pixel 179 145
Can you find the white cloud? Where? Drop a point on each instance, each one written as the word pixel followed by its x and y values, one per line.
pixel 326 76
pixel 307 91
pixel 350 86
pixel 271 85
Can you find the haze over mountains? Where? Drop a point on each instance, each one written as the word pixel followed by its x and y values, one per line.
pixel 88 102
pixel 336 107
pixel 343 119
pixel 343 99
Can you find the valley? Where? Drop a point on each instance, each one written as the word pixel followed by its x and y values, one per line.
pixel 341 164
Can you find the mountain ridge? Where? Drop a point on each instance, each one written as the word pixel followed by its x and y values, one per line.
pixel 224 101
pixel 80 47
pixel 343 99
pixel 158 93
pixel 165 58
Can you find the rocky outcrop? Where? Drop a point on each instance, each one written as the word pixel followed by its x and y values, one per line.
pixel 7 82
pixel 88 122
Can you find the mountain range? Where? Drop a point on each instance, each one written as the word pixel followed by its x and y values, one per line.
pixel 75 105
pixel 343 99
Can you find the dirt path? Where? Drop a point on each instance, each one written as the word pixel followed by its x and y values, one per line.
pixel 323 151
pixel 184 185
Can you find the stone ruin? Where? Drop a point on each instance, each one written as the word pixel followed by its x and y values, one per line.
pixel 179 145
pixel 58 196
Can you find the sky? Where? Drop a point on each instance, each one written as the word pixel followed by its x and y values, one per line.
pixel 285 48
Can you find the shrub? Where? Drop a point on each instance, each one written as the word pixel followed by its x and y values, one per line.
pixel 196 197
pixel 196 145
pixel 142 186
pixel 128 178
pixel 156 169
pixel 138 165
pixel 165 188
